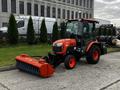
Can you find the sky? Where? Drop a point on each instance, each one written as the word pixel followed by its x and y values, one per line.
pixel 108 10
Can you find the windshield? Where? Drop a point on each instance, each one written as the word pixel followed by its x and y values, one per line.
pixel 20 24
pixel 74 27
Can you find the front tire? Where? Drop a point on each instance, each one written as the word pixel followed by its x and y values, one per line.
pixel 93 55
pixel 70 62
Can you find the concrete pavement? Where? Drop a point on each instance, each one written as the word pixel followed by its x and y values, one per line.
pixel 103 76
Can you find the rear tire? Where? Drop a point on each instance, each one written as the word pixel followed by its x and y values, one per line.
pixel 70 62
pixel 93 55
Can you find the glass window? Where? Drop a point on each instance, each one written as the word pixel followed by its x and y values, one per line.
pixel 21 7
pixel 36 9
pixel 72 1
pixel 76 2
pixel 68 1
pixel 76 15
pixel 91 27
pixel 48 11
pixel 80 16
pixel 4 6
pixel 4 24
pixel 13 6
pixel 54 12
pixel 68 14
pixel 91 3
pixel 80 2
pixel 74 27
pixel 29 9
pixel 72 16
pixel 42 10
pixel 59 13
pixel 64 13
pixel 20 24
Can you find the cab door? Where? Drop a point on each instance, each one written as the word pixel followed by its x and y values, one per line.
pixel 88 33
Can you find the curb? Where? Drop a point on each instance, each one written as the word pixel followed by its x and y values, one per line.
pixel 7 68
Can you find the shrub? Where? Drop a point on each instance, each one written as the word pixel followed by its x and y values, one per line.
pixel 55 32
pixel 63 30
pixel 43 32
pixel 12 32
pixel 30 32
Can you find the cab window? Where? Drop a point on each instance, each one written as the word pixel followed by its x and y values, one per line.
pixel 20 24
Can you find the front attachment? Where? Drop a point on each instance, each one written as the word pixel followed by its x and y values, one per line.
pixel 31 65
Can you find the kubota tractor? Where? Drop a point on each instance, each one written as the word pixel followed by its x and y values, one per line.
pixel 80 42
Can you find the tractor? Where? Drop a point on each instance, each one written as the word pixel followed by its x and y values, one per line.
pixel 80 42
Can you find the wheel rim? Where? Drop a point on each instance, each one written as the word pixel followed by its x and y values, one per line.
pixel 95 55
pixel 72 62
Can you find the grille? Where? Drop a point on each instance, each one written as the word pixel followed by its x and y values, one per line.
pixel 27 68
pixel 57 49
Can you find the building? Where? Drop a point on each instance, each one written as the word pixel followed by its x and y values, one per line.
pixel 59 9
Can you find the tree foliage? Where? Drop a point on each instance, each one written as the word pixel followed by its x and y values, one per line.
pixel 55 32
pixel 30 32
pixel 63 30
pixel 43 32
pixel 12 31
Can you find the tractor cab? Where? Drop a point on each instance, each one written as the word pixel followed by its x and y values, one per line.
pixel 81 29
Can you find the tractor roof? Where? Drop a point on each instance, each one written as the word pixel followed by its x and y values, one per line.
pixel 88 20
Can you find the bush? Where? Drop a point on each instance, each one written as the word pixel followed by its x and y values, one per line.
pixel 55 32
pixel 30 32
pixel 63 30
pixel 12 32
pixel 43 32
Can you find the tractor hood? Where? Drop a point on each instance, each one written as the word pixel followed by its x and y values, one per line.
pixel 65 42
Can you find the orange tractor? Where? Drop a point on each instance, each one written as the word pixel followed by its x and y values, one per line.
pixel 80 42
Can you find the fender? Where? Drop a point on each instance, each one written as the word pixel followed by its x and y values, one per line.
pixel 90 45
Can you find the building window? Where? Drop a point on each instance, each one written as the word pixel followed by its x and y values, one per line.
pixel 91 3
pixel 29 9
pixel 72 15
pixel 68 1
pixel 4 6
pixel 21 7
pixel 64 14
pixel 36 9
pixel 4 24
pixel 80 2
pixel 87 16
pixel 84 3
pixel 59 13
pixel 84 15
pixel 80 16
pixel 72 2
pixel 90 15
pixel 63 0
pixel 76 2
pixel 13 6
pixel 68 14
pixel 42 10
pixel 54 12
pixel 48 11
pixel 76 15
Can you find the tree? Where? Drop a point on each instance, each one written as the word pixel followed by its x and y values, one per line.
pixel 30 32
pixel 63 30
pixel 12 30
pixel 55 32
pixel 43 32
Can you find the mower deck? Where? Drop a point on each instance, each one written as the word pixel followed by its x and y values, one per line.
pixel 34 66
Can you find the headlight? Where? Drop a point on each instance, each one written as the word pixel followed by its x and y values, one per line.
pixel 58 44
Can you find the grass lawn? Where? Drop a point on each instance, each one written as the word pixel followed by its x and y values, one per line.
pixel 8 53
